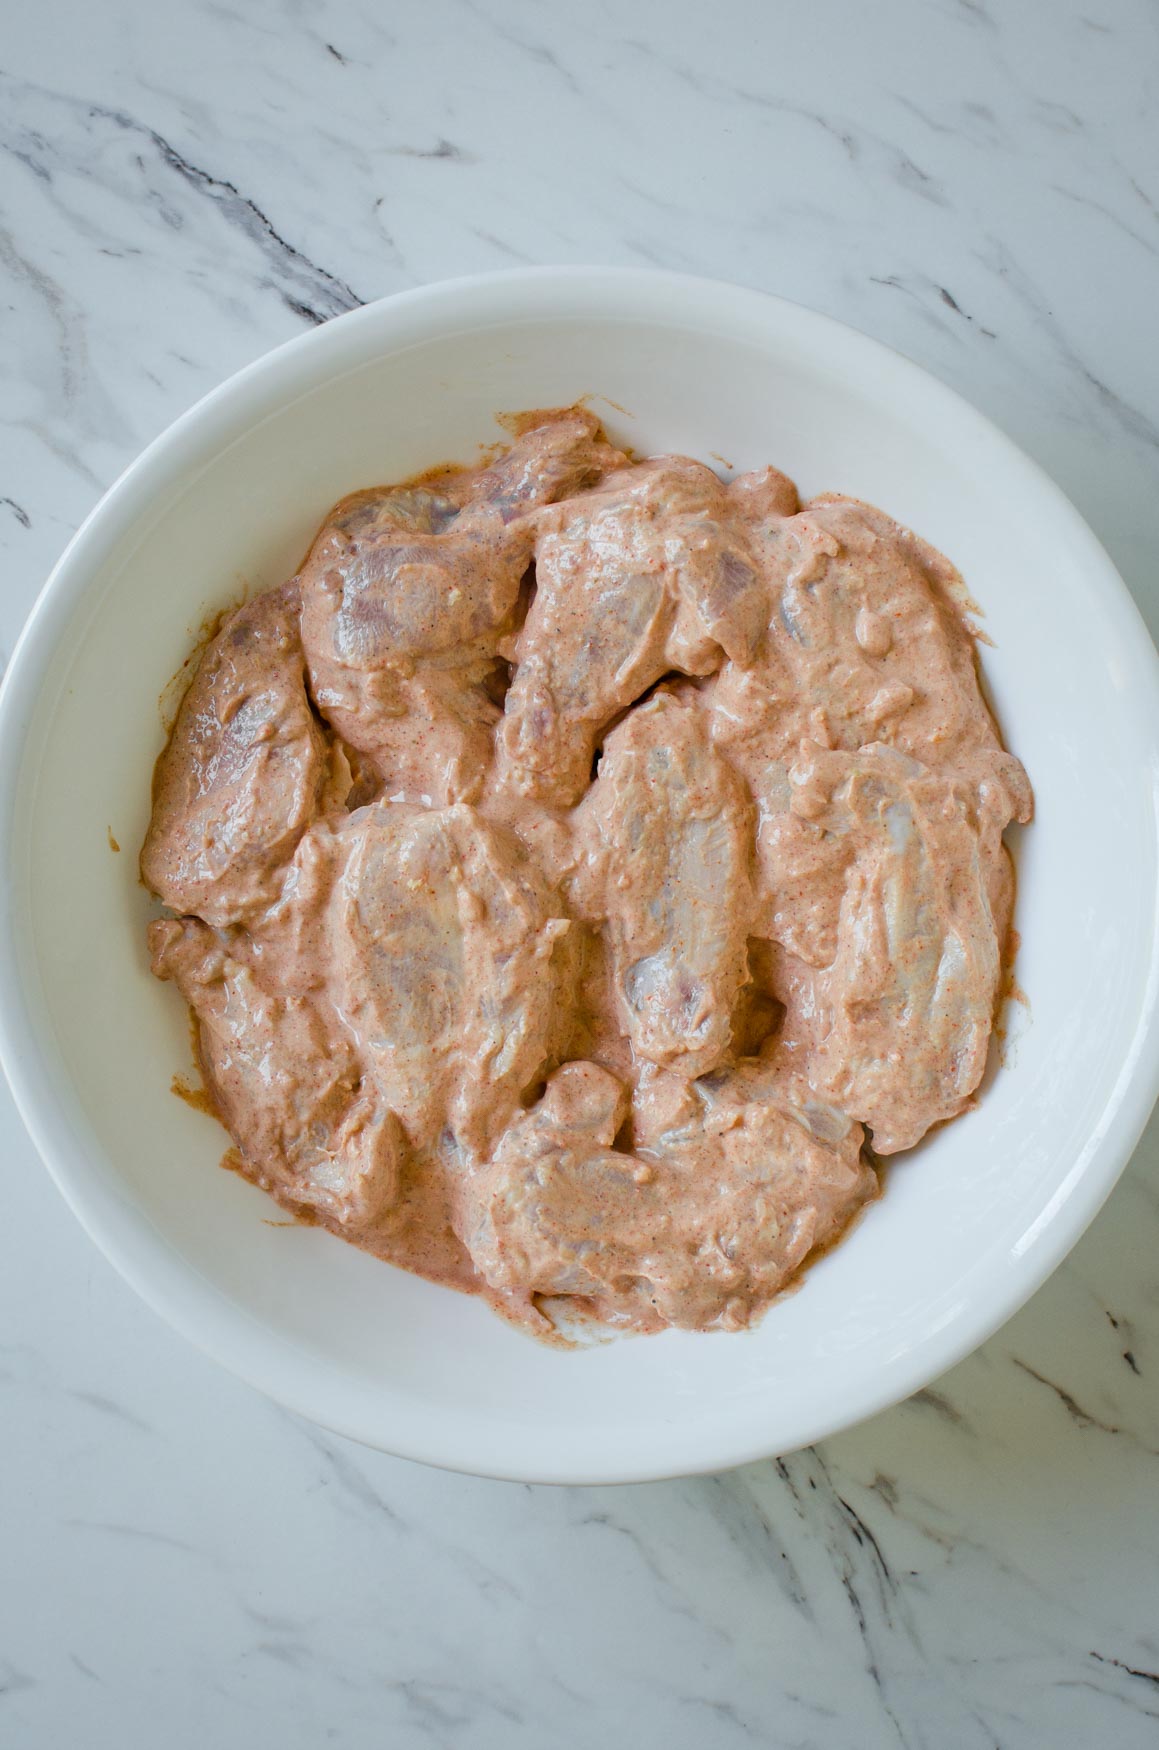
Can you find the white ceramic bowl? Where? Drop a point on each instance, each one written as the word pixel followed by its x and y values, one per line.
pixel 226 499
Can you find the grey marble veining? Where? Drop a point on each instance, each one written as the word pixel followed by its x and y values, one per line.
pixel 182 187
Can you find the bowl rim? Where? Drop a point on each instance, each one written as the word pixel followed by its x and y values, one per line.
pixel 145 1259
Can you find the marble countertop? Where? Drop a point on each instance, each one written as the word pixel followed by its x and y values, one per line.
pixel 184 186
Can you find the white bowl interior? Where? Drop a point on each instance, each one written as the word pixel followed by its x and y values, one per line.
pixel 227 502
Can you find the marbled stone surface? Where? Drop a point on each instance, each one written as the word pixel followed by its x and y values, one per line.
pixel 181 187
